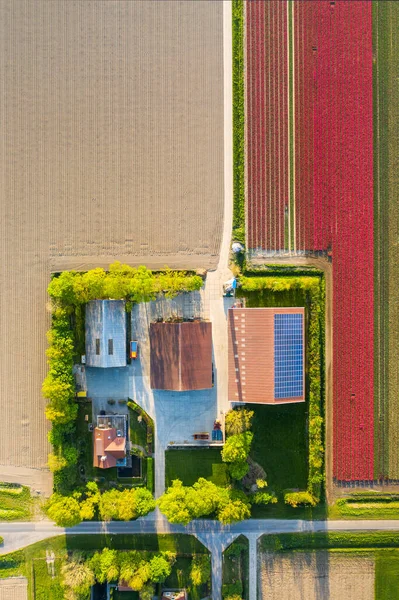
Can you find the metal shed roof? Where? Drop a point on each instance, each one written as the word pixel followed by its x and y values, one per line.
pixel 106 333
pixel 181 356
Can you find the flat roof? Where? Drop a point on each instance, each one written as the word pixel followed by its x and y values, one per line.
pixel 105 333
pixel 266 355
pixel 181 356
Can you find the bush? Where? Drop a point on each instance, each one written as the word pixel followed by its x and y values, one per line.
pixel 263 498
pixel 295 499
pixel 239 469
pixel 238 421
pixel 1 541
pixel 237 447
pixel 232 589
pixel 150 474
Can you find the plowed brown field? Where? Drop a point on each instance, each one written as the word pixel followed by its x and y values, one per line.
pixel 316 575
pixel 111 117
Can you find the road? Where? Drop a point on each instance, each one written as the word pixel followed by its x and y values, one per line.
pixel 215 536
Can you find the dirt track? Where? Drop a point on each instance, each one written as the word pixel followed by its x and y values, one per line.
pixel 112 147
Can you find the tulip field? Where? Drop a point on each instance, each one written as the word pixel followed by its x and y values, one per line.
pixel 318 181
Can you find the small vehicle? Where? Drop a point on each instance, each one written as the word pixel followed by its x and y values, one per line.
pixel 134 349
pixel 229 287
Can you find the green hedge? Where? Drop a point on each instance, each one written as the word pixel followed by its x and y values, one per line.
pixel 238 122
pixel 1 541
pixel 150 474
pixel 324 540
pixel 313 288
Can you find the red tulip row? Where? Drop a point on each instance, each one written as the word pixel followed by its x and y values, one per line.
pixel 266 122
pixel 344 172
pixel 333 182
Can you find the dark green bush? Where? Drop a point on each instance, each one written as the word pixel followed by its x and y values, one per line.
pixel 232 589
pixel 150 474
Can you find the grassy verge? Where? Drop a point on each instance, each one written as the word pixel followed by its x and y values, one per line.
pixel 190 464
pixel 366 506
pixel 328 540
pixel 386 211
pixel 15 503
pixel 236 569
pixel 238 122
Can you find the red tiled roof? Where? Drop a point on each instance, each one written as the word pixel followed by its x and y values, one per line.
pixel 181 356
pixel 251 355
pixel 107 444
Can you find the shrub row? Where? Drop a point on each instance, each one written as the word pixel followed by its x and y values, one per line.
pixel 150 474
pixel 313 288
pixel 238 122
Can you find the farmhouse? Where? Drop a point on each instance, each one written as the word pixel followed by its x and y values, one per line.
pixel 181 355
pixel 266 355
pixel 106 333
pixel 109 441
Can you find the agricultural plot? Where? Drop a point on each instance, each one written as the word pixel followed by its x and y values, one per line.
pixel 112 129
pixel 320 574
pixel 323 147
pixel 386 211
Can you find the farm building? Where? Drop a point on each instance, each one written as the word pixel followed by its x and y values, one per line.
pixel 109 439
pixel 266 355
pixel 106 333
pixel 181 356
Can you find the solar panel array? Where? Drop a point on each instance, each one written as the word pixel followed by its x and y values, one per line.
pixel 288 356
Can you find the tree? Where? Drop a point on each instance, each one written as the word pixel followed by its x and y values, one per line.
pixel 78 577
pixel 64 510
pixel 239 469
pixel 238 421
pixel 200 572
pixel 160 569
pixel 141 576
pixel 147 591
pixel 56 462
pixel 233 511
pixel 173 504
pixel 237 447
pixel 263 498
pixel 105 565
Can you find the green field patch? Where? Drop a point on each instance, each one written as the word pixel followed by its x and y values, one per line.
pixel 15 503
pixel 236 569
pixel 387 575
pixel 190 464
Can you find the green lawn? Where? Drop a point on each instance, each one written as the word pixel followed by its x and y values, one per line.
pixel 138 431
pixel 387 575
pixel 236 568
pixel 280 444
pixel 190 464
pixel 15 503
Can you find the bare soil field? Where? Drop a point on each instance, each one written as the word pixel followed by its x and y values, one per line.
pixel 111 117
pixel 317 575
pixel 14 588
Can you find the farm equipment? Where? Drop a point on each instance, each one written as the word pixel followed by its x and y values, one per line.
pixel 134 349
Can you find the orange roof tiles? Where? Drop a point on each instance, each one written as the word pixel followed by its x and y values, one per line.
pixel 108 447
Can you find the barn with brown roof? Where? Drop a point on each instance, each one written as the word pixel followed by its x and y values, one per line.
pixel 181 356
pixel 266 355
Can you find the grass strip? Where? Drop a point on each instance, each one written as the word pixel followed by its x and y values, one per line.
pixel 328 540
pixel 238 122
